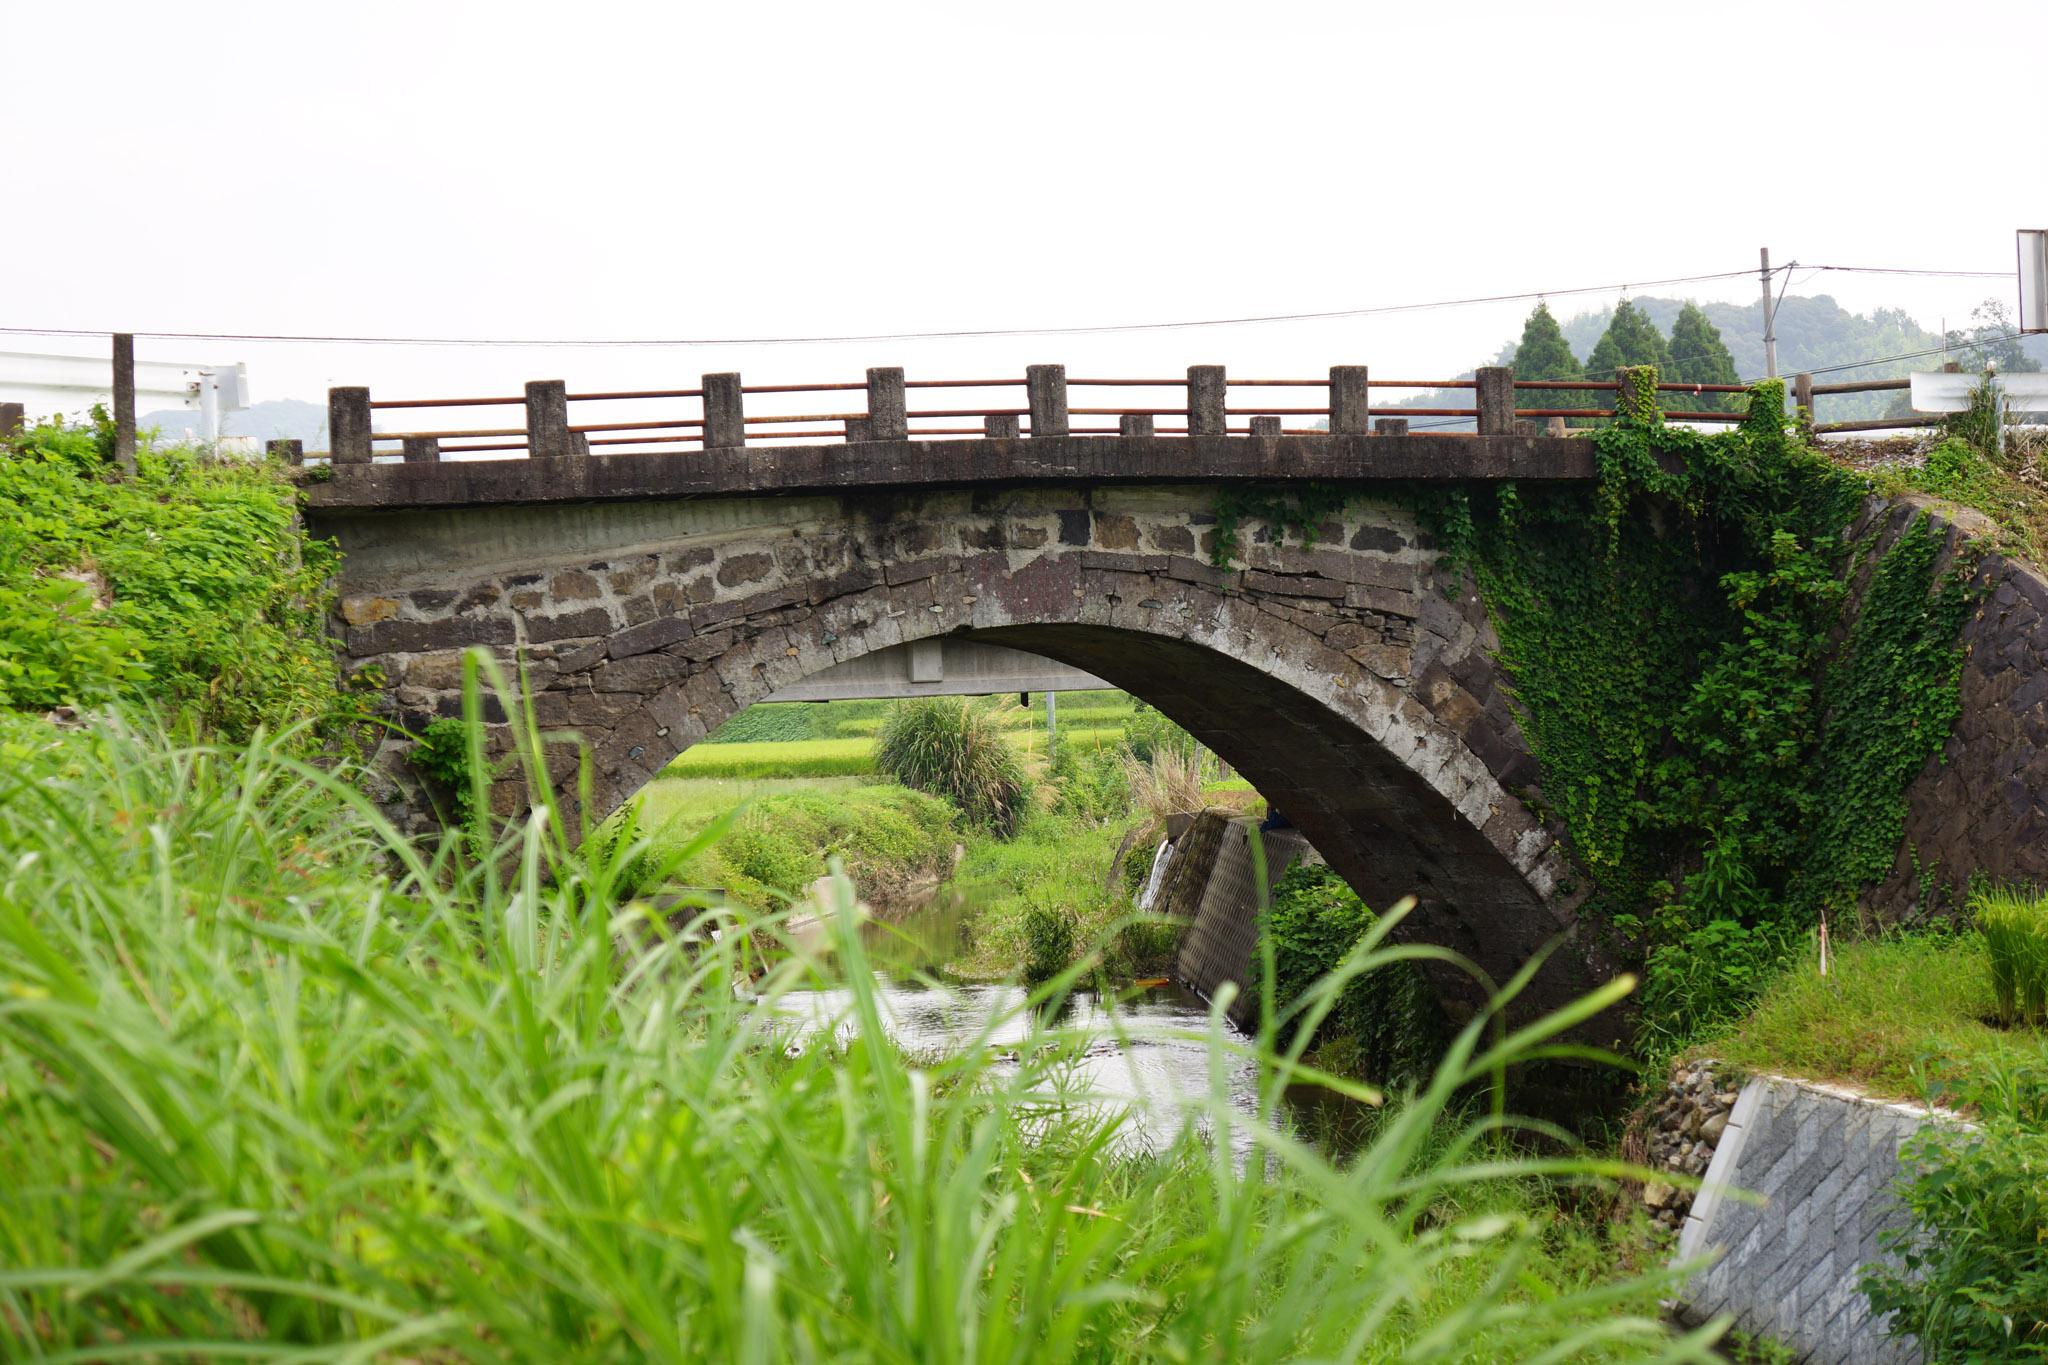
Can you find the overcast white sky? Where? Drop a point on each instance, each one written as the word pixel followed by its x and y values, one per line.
pixel 611 169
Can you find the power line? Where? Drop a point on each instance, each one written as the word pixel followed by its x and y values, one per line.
pixel 979 333
pixel 959 335
pixel 1961 344
pixel 1891 270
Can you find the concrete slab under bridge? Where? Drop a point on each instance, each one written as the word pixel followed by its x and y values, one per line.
pixel 948 666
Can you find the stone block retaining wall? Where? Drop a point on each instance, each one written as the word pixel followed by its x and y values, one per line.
pixel 1823 1161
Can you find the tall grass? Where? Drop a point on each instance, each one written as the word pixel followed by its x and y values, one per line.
pixel 277 1084
pixel 2015 929
pixel 945 747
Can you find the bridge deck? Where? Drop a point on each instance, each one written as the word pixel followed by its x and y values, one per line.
pixel 924 464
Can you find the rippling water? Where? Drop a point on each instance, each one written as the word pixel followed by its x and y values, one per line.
pixel 1131 1058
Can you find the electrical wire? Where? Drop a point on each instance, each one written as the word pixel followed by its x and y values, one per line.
pixel 977 333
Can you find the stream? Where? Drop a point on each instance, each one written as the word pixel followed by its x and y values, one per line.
pixel 1158 1080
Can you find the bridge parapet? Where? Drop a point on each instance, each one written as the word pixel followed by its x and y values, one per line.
pixel 1206 401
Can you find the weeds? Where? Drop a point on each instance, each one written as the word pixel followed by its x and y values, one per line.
pixel 275 1082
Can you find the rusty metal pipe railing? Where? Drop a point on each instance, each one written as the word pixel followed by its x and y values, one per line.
pixel 634 393
pixel 446 435
pixel 1863 386
pixel 1276 412
pixel 968 383
pixel 377 403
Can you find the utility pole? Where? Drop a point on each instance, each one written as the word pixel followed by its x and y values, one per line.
pixel 1770 318
pixel 124 402
pixel 1052 723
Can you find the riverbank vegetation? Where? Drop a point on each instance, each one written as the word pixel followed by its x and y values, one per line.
pixel 1917 1017
pixel 188 586
pixel 276 1080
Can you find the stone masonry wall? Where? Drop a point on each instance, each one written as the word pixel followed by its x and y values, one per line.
pixel 1349 680
pixel 1980 807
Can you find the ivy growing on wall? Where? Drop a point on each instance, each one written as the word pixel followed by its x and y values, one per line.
pixel 1299 508
pixel 1728 754
pixel 1727 751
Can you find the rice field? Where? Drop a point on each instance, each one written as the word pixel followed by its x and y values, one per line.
pixel 853 756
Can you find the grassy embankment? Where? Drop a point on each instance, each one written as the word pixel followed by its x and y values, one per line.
pixel 274 1081
pixel 1905 1017
pixel 810 798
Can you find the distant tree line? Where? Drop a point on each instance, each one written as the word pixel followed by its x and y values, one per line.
pixel 1693 354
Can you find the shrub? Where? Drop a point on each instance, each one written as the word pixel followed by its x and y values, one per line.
pixel 2015 929
pixel 943 746
pixel 887 837
pixel 1972 1277
pixel 1049 942
pixel 1150 732
pixel 1090 784
pixel 1390 1015
pixel 205 598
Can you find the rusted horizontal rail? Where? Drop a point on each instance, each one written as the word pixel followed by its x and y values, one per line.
pixel 445 435
pixel 1863 386
pixel 634 393
pixel 968 383
pixel 1933 419
pixel 445 402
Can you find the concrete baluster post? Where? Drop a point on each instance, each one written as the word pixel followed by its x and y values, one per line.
pixel 1494 388
pixel 1206 394
pixel 1528 426
pixel 13 420
pixel 1350 401
pixel 1001 426
pixel 1046 388
pixel 124 401
pixel 547 419
pixel 1802 395
pixel 886 409
pixel 283 451
pixel 857 429
pixel 1390 426
pixel 1265 426
pixel 725 415
pixel 422 449
pixel 348 425
pixel 1134 424
pixel 1628 402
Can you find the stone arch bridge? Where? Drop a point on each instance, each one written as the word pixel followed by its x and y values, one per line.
pixel 652 597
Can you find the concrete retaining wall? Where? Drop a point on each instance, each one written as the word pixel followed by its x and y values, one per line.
pixel 1223 937
pixel 1824 1162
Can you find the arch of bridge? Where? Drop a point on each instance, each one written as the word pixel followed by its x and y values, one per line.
pixel 1350 680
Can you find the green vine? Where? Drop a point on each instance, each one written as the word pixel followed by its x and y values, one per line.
pixel 1728 757
pixel 1301 508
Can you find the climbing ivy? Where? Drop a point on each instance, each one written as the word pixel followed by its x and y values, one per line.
pixel 1729 760
pixel 1727 754
pixel 1301 508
